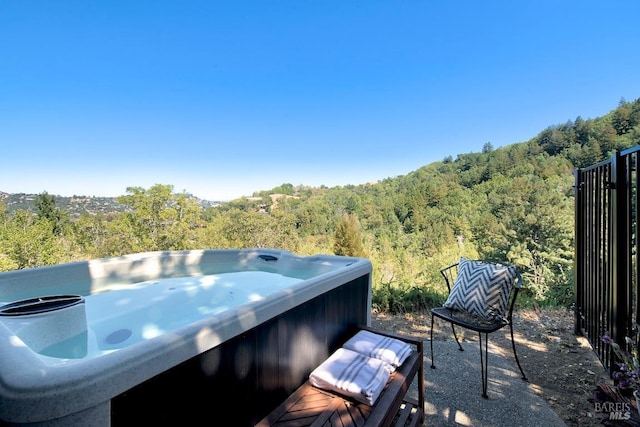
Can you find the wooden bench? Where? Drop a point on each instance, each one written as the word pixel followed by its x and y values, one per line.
pixel 311 406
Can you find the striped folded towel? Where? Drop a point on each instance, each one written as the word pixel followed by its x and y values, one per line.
pixel 390 350
pixel 352 374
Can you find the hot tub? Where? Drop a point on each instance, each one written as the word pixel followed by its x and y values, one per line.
pixel 169 336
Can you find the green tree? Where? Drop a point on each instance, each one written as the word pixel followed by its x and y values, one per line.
pixel 47 210
pixel 7 263
pixel 259 230
pixel 348 237
pixel 533 228
pixel 157 219
pixel 487 147
pixel 621 118
pixel 91 234
pixel 28 241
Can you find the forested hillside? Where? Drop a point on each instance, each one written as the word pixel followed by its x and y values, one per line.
pixel 514 203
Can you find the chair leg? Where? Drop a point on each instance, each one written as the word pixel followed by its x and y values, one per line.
pixel 513 345
pixel 484 363
pixel 456 337
pixel 433 366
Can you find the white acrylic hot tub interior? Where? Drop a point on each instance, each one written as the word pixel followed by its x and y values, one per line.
pixel 143 314
pixel 125 314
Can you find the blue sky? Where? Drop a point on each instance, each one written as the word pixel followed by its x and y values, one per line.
pixel 224 98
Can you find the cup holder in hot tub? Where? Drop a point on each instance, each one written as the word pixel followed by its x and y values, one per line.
pixel 40 305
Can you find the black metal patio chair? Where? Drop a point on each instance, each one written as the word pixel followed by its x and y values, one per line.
pixel 481 298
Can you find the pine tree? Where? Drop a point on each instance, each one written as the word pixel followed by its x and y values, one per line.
pixel 348 237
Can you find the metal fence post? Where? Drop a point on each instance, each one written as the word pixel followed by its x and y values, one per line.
pixel 578 188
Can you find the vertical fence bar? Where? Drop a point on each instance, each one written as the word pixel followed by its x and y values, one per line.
pixel 634 238
pixel 602 280
pixel 579 250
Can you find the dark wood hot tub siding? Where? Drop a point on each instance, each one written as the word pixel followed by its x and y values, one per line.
pixel 246 377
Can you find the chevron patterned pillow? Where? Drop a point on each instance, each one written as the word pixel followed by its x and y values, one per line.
pixel 481 289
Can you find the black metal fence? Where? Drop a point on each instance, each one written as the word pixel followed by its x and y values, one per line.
pixel 606 271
